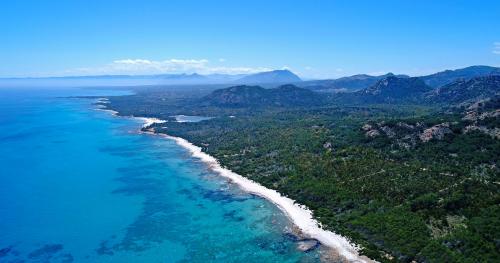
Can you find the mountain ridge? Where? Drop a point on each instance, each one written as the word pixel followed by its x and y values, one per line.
pixel 246 96
pixel 346 84
pixel 361 81
pixel 448 76
pixel 275 76
pixel 463 91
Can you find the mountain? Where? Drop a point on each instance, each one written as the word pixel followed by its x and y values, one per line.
pixel 361 81
pixel 346 84
pixel 389 90
pixel 462 91
pixel 246 96
pixel 268 79
pixel 393 90
pixel 275 76
pixel 448 76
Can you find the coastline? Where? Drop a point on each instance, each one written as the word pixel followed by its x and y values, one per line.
pixel 300 215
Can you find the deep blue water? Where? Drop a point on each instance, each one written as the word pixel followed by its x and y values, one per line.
pixel 79 185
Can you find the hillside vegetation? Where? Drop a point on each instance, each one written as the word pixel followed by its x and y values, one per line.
pixel 408 171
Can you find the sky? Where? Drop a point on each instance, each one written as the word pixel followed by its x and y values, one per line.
pixel 315 39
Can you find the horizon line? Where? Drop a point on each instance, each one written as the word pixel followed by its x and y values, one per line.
pixel 236 74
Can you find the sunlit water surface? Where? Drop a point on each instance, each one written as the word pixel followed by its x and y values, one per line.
pixel 79 185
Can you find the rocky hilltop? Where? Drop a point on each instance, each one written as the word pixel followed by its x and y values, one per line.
pixel 463 91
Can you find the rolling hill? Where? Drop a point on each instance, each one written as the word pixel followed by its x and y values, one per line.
pixel 247 96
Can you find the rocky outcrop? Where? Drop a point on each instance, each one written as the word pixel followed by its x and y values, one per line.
pixel 466 92
pixel 390 90
pixel 372 133
pixel 367 127
pixel 435 132
pixel 405 125
pixel 475 115
pixel 370 130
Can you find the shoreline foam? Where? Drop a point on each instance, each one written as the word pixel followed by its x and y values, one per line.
pixel 300 215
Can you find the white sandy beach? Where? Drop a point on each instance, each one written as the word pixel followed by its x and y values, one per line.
pixel 300 215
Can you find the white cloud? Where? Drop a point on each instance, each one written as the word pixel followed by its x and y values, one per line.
pixel 151 66
pixel 496 48
pixel 172 66
pixel 233 70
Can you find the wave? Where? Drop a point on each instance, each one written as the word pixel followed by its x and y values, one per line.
pixel 112 112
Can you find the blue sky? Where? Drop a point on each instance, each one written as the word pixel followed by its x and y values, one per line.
pixel 316 39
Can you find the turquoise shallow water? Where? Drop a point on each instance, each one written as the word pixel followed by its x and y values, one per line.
pixel 79 185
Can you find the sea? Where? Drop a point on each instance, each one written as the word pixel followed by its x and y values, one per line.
pixel 78 184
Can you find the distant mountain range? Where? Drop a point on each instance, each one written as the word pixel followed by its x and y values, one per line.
pixel 448 76
pixel 358 82
pixel 345 84
pixel 389 90
pixel 269 77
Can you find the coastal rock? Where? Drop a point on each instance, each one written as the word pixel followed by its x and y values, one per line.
pixel 307 245
pixel 435 132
